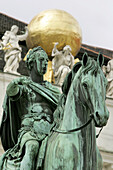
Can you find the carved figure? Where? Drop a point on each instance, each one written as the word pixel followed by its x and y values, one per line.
pixel 12 49
pixel 28 115
pixel 108 71
pixel 82 107
pixel 62 63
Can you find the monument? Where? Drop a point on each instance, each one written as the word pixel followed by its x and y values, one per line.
pixel 64 139
pixel 53 130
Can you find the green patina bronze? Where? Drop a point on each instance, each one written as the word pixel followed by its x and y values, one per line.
pixel 83 97
pixel 40 132
pixel 28 115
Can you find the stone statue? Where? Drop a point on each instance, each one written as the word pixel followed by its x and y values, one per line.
pixel 108 71
pixel 62 63
pixel 10 44
pixel 28 115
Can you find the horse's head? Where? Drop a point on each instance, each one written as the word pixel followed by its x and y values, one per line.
pixel 93 89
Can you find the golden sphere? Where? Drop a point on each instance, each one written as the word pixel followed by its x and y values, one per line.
pixel 52 26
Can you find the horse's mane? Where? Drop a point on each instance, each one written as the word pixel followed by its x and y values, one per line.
pixel 77 71
pixel 91 66
pixel 68 79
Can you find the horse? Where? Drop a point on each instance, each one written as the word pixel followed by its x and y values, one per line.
pixel 72 146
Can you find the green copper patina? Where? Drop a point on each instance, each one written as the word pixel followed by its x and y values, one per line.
pixel 28 115
pixel 72 146
pixel 65 139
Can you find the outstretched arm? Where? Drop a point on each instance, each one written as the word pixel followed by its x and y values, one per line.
pixel 12 113
pixel 24 36
pixel 55 50
pixel 13 90
pixel 16 88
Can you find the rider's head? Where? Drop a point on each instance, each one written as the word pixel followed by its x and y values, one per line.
pixel 38 59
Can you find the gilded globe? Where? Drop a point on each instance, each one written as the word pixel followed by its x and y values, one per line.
pixel 52 26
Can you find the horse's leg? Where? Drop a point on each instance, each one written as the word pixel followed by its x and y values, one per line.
pixel 29 159
pixel 61 154
pixel 99 160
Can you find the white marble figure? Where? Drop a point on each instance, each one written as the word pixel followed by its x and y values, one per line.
pixel 10 45
pixel 108 71
pixel 62 63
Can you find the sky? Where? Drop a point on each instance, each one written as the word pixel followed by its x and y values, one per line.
pixel 95 17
